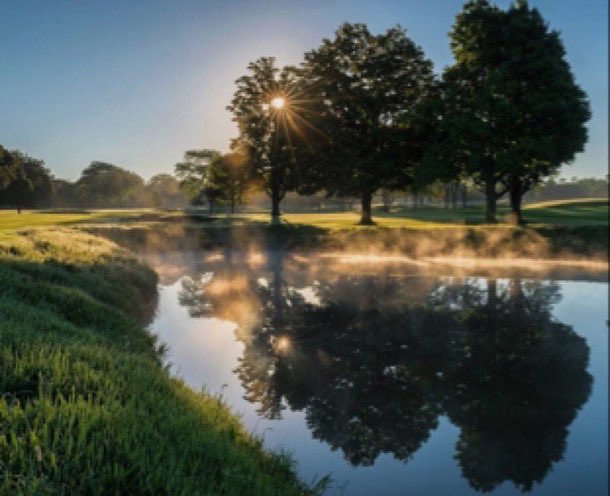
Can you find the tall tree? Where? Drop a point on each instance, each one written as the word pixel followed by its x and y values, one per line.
pixel 235 178
pixel 194 173
pixel 217 177
pixel 267 110
pixel 369 88
pixel 510 112
pixel 165 192
pixel 550 111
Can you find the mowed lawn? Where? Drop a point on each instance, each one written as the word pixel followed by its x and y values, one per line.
pixel 576 212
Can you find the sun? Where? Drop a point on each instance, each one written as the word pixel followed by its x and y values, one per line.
pixel 278 102
pixel 282 344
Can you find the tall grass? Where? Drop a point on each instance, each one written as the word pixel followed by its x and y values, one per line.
pixel 85 406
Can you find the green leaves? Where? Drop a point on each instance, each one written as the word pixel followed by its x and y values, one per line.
pixel 106 185
pixel 510 111
pixel 24 181
pixel 370 87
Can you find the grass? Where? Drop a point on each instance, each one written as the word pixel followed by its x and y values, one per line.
pixel 85 406
pixel 10 220
pixel 574 212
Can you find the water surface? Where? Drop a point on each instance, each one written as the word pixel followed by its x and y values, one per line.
pixel 400 378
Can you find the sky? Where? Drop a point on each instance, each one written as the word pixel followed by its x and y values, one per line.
pixel 136 83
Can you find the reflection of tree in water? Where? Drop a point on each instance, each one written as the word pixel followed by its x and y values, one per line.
pixel 519 381
pixel 376 360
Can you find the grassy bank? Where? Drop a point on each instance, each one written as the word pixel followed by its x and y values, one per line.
pixel 499 241
pixel 86 407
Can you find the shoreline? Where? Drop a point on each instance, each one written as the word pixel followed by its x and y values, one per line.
pixel 87 406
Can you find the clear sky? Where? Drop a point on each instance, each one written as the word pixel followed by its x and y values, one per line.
pixel 137 83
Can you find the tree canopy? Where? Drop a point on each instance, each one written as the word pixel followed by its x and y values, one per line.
pixel 105 185
pixel 510 111
pixel 270 111
pixel 24 181
pixel 369 88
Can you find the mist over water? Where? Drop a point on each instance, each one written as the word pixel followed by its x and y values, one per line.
pixel 401 375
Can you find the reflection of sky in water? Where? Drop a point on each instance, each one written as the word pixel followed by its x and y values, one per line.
pixel 205 350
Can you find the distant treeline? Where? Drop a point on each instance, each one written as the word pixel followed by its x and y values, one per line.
pixel 553 189
pixel 103 185
pixel 25 182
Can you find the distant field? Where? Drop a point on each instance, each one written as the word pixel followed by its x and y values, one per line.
pixel 575 212
pixel 10 220
pixel 569 212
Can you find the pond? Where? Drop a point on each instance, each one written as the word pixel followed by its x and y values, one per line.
pixel 395 376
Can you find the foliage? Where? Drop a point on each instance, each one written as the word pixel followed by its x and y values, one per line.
pixel 510 112
pixel 209 175
pixel 370 88
pixel 586 187
pixel 27 182
pixel 65 194
pixel 7 167
pixel 233 177
pixel 165 192
pixel 106 185
pixel 269 136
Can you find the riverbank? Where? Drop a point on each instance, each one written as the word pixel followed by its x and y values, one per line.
pixel 86 407
pixel 498 242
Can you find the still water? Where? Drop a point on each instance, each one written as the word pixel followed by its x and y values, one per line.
pixel 400 378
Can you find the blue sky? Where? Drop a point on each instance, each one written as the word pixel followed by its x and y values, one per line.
pixel 137 83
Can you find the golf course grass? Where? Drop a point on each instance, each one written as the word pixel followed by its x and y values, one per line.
pixel 575 212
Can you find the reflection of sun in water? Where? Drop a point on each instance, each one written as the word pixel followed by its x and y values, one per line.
pixel 282 344
pixel 278 102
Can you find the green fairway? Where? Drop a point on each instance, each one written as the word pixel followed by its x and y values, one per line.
pixel 576 212
pixel 10 220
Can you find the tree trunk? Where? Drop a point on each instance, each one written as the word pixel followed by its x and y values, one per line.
pixel 464 196
pixel 366 219
pixel 211 206
pixel 18 210
pixel 275 205
pixel 232 205
pixel 386 196
pixel 516 197
pixel 490 200
pixel 454 194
